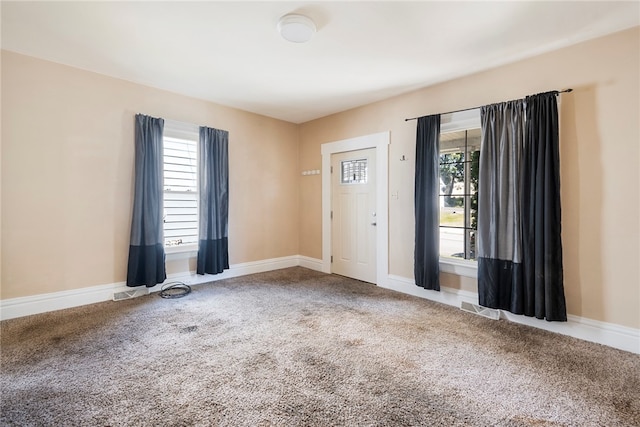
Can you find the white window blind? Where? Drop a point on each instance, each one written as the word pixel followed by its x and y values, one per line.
pixel 180 188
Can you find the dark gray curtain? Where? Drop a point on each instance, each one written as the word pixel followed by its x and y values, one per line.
pixel 427 186
pixel 519 248
pixel 542 245
pixel 146 264
pixel 213 184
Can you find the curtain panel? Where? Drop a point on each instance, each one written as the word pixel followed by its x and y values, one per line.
pixel 213 184
pixel 519 247
pixel 146 265
pixel 541 208
pixel 427 190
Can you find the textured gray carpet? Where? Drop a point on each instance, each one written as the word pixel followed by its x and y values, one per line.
pixel 296 347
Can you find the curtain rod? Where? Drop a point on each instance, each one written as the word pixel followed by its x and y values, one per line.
pixel 474 108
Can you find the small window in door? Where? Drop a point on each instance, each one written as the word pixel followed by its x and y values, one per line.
pixel 354 171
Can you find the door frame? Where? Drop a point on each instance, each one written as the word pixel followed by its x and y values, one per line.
pixel 379 141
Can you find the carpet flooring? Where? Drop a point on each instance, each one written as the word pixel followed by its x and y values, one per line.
pixel 295 347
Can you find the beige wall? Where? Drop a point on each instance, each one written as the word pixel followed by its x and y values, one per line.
pixel 67 169
pixel 0 177
pixel 599 165
pixel 67 173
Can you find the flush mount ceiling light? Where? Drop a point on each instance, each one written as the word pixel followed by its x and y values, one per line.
pixel 296 28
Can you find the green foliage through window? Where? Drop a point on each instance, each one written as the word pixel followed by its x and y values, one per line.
pixel 459 170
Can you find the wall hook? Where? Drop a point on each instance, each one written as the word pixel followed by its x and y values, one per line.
pixel 402 159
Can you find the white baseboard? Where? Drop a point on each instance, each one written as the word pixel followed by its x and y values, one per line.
pixel 42 303
pixel 310 263
pixel 609 334
pixel 446 295
pixel 25 306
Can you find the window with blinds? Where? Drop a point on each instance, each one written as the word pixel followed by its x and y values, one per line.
pixel 180 188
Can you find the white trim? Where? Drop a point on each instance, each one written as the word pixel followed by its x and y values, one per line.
pixel 609 334
pixel 181 252
pixel 379 141
pixel 461 267
pixel 446 295
pixel 42 303
pixel 235 270
pixel 310 263
pixel 182 130
pixel 460 120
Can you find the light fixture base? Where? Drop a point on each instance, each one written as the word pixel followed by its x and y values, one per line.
pixel 296 28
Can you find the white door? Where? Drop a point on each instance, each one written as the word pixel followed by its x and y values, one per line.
pixel 353 205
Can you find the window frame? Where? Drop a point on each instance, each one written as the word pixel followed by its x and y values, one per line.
pixel 454 122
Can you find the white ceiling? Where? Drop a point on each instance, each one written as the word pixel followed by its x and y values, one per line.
pixel 231 54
